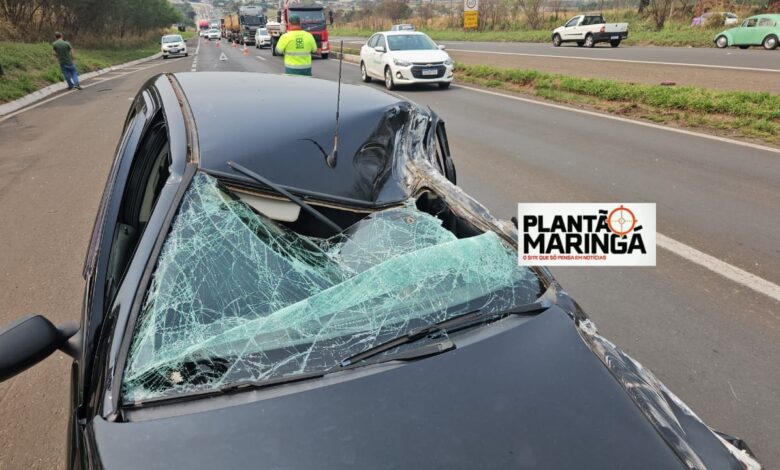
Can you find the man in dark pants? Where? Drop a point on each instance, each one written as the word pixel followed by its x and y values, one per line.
pixel 64 53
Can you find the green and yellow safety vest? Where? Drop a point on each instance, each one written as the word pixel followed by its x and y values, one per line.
pixel 297 47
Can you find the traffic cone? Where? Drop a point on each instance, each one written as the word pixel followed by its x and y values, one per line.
pixel 245 50
pixel 234 43
pixel 218 41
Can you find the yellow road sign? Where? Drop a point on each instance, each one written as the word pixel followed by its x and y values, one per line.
pixel 470 19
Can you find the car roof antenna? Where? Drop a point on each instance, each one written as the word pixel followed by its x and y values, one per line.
pixel 333 156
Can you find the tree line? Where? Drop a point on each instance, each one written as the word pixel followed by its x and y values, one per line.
pixel 36 20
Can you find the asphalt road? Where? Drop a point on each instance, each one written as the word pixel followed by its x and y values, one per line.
pixel 713 341
pixel 754 58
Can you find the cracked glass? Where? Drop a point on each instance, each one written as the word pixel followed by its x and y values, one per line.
pixel 238 297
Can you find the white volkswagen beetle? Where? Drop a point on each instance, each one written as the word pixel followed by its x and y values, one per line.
pixel 405 58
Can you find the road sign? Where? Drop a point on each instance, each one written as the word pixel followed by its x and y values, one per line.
pixel 470 5
pixel 223 56
pixel 470 19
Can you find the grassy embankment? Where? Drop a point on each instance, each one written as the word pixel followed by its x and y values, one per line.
pixel 752 115
pixel 29 67
pixel 673 35
pixel 642 31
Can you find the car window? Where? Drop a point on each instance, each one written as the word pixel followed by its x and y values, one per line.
pixel 148 173
pixel 410 42
pixel 589 20
pixel 373 40
pixel 238 297
pixel 765 22
pixel 749 23
pixel 382 41
pixel 169 39
pixel 572 22
pixel 731 16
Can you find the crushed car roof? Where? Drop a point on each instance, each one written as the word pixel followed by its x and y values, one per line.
pixel 287 140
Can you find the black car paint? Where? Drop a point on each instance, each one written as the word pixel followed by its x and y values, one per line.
pixel 553 404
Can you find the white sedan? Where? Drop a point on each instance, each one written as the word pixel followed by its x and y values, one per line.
pixel 213 34
pixel 405 58
pixel 173 44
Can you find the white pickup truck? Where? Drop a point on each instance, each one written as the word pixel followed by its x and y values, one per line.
pixel 587 30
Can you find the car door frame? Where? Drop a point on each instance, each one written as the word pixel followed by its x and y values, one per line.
pixel 92 373
pixel 571 33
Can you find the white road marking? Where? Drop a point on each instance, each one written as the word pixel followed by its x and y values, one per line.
pixel 731 272
pixel 650 62
pixel 626 120
pixel 260 57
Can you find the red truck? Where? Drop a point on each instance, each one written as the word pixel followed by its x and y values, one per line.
pixel 312 20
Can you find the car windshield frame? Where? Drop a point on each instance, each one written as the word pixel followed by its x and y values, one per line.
pixel 533 286
pixel 402 42
pixel 172 39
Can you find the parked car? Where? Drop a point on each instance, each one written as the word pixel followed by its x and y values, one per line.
pixel 173 44
pixel 728 19
pixel 262 38
pixel 405 58
pixel 402 27
pixel 759 30
pixel 214 33
pixel 381 320
pixel 588 30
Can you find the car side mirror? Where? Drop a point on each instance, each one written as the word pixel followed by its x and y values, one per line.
pixel 442 47
pixel 380 49
pixel 31 340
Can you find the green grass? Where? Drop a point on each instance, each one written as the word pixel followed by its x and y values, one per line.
pixel 674 34
pixel 752 114
pixel 29 67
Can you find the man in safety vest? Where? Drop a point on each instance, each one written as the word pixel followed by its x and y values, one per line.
pixel 297 46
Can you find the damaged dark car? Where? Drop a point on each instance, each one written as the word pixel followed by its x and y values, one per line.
pixel 279 298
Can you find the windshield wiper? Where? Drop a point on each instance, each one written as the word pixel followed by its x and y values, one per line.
pixel 445 325
pixel 303 205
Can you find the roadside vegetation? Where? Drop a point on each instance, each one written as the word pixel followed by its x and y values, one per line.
pixel 751 115
pixel 652 22
pixel 102 35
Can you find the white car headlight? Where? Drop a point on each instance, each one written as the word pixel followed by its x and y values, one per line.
pixel 402 63
pixel 448 62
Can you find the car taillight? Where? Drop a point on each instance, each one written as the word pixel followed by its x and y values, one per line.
pixel 603 28
pixel 324 36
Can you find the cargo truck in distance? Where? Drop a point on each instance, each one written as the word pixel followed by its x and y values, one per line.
pixel 587 30
pixel 312 20
pixel 241 26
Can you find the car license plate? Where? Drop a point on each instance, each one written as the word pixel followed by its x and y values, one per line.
pixel 430 72
pixel 174 50
pixel 615 37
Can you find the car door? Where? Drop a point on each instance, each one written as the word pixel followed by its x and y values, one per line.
pixel 742 35
pixel 570 32
pixel 762 29
pixel 377 65
pixel 367 52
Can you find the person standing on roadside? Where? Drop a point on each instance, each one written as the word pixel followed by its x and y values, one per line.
pixel 63 51
pixel 330 16
pixel 297 46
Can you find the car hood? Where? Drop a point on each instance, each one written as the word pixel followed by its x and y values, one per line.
pixel 420 56
pixel 533 395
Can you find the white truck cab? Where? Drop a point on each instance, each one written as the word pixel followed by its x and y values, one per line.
pixel 587 30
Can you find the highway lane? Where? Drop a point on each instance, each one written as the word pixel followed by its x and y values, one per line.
pixel 754 58
pixel 715 343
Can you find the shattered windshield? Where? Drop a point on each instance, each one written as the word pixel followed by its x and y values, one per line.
pixel 238 297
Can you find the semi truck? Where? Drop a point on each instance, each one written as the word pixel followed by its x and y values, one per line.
pixel 241 26
pixel 312 18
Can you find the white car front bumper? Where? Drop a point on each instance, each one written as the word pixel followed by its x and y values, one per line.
pixel 422 73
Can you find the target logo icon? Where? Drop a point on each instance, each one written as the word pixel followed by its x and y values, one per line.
pixel 621 221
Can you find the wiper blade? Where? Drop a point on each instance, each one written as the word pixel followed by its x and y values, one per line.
pixel 455 322
pixel 303 205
